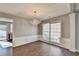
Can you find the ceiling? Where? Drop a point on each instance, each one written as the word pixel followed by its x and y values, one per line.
pixel 44 10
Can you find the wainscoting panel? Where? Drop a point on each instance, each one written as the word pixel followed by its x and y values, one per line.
pixel 24 40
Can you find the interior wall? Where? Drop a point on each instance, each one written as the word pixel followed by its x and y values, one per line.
pixel 40 29
pixel 24 32
pixel 65 27
pixel 22 27
pixel 65 30
pixel 77 26
pixel 77 31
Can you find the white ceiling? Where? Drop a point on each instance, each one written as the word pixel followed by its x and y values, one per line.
pixel 44 11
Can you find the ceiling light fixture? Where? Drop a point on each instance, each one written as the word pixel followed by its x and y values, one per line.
pixel 35 21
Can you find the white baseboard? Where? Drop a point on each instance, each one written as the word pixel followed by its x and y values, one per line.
pixel 24 40
pixel 23 44
pixel 54 43
pixel 28 39
pixel 64 44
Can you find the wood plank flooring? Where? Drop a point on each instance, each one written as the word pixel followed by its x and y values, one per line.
pixel 41 49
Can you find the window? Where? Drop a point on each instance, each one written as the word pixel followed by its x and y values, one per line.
pixel 11 28
pixel 52 32
pixel 46 31
pixel 55 32
pixel 3 32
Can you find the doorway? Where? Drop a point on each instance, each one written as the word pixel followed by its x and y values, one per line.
pixel 6 30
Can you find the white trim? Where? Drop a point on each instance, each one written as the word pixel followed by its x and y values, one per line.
pixel 54 43
pixel 6 20
pixel 65 43
pixel 24 40
pixel 72 32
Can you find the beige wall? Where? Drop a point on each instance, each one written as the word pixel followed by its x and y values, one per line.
pixel 24 32
pixel 65 27
pixel 77 25
pixel 23 27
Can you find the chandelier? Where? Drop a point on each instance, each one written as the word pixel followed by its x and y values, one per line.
pixel 35 20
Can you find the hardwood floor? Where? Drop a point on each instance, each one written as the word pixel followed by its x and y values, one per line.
pixel 41 49
pixel 5 51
